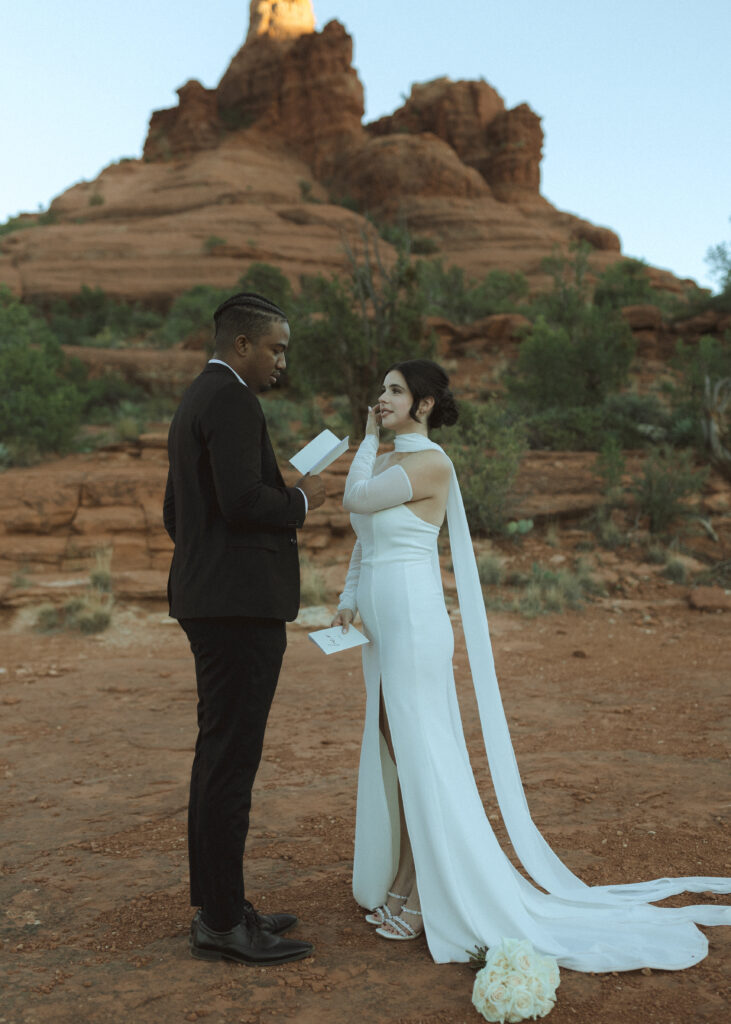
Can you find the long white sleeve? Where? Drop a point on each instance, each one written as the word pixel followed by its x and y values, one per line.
pixel 348 598
pixel 367 493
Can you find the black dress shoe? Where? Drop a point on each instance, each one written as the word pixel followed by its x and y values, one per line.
pixel 275 924
pixel 247 943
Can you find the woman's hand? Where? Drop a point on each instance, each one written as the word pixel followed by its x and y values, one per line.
pixel 374 420
pixel 343 618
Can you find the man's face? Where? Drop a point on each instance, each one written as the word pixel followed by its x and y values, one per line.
pixel 261 362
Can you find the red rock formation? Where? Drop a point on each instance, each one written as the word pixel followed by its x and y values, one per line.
pixel 194 124
pixel 385 170
pixel 280 19
pixel 503 145
pixel 458 112
pixel 515 141
pixel 303 91
pixel 254 162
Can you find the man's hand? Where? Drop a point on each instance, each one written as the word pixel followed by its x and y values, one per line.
pixel 343 618
pixel 314 490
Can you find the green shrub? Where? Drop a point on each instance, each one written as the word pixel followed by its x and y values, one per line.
pixel 103 396
pixel 627 418
pixel 490 570
pixel 94 318
pixel 668 478
pixel 448 293
pixel 291 423
pixel 656 554
pixel 676 571
pixel 424 245
pixel 40 410
pixel 486 450
pixel 625 283
pixel 710 358
pixel 191 314
pixel 562 366
pixel 212 243
pixel 610 465
pixel 95 199
pixel 91 613
pixel 350 329
pixel 553 590
pixel 606 531
pixel 267 280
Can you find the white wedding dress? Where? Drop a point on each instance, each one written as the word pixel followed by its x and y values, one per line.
pixel 470 892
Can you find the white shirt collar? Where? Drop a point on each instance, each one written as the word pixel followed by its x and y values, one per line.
pixel 222 363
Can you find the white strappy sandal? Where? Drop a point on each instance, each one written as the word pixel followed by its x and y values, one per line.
pixel 382 914
pixel 404 932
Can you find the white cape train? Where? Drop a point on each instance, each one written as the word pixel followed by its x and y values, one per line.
pixel 470 892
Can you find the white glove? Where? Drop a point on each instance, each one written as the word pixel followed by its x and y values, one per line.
pixel 350 590
pixel 367 493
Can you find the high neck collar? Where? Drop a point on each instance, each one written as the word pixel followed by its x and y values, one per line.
pixel 413 443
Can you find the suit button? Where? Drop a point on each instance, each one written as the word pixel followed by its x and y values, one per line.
pixel 292 540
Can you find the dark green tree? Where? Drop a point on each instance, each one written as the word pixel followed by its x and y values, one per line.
pixel 40 410
pixel 577 353
pixel 350 329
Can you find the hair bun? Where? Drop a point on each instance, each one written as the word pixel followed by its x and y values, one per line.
pixel 445 412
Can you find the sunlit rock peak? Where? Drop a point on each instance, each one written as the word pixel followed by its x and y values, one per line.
pixel 280 19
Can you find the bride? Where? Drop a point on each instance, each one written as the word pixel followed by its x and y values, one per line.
pixel 426 857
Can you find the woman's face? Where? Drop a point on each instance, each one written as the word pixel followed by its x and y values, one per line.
pixel 395 402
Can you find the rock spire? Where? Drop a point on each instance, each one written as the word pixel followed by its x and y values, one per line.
pixel 280 19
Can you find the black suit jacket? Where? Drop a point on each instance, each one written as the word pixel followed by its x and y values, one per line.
pixel 227 509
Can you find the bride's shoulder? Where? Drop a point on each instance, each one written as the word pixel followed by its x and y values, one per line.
pixel 430 460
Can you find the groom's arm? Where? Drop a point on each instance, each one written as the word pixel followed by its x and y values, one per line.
pixel 168 508
pixel 233 429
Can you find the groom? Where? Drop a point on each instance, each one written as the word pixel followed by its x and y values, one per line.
pixel 234 580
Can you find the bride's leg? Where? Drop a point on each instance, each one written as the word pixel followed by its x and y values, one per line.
pixel 404 884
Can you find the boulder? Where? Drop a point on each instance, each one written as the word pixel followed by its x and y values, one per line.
pixel 709 599
pixel 392 167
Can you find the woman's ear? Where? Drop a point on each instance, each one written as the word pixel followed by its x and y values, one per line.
pixel 425 407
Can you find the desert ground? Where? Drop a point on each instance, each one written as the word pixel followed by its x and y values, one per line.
pixel 617 716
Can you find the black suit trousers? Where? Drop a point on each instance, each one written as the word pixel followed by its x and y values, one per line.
pixel 237 664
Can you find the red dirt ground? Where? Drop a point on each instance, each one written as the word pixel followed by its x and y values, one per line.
pixel 618 722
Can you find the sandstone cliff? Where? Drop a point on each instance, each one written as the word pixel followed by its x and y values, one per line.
pixel 264 166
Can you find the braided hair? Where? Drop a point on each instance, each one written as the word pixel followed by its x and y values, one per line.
pixel 244 313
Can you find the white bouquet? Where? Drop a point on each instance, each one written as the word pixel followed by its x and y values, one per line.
pixel 516 983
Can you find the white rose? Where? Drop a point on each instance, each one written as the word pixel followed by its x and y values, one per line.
pixel 498 994
pixel 524 962
pixel 490 998
pixel 500 961
pixel 522 1004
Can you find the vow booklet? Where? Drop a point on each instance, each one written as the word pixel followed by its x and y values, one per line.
pixel 319 453
pixel 333 639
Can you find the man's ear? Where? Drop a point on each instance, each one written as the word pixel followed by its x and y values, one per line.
pixel 241 345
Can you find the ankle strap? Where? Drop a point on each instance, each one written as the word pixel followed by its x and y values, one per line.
pixel 405 910
pixel 396 895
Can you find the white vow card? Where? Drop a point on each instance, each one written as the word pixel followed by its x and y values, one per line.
pixel 319 453
pixel 333 639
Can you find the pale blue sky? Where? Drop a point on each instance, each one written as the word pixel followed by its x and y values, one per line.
pixel 634 94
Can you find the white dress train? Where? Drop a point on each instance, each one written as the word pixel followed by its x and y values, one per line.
pixel 470 892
